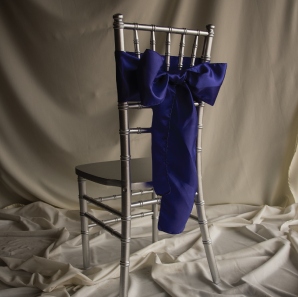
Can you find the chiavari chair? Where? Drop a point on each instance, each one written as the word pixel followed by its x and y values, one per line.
pixel 125 173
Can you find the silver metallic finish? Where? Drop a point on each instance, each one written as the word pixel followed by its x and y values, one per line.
pixel 115 220
pixel 204 222
pixel 103 225
pixel 118 26
pixel 195 218
pixel 84 223
pixel 142 192
pixel 139 130
pixel 142 215
pixel 199 201
pixel 124 132
pixel 194 51
pixel 115 197
pixel 122 106
pixel 181 50
pixel 125 239
pixel 138 105
pixel 136 41
pixel 204 49
pixel 125 158
pixel 146 202
pixel 124 264
pixel 99 204
pixel 126 219
pixel 206 56
pixel 135 106
pixel 152 39
pixel 126 197
pixel 168 49
pixel 155 218
pixel 142 27
pixel 107 198
pixel 207 242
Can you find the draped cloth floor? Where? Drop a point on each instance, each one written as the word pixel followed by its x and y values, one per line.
pixel 58 95
pixel 256 248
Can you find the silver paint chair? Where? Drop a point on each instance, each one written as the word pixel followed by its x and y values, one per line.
pixel 125 172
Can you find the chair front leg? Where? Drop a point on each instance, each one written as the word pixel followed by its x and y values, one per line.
pixel 84 223
pixel 125 242
pixel 154 219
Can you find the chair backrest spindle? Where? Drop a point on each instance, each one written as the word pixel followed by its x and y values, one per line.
pixel 136 41
pixel 194 51
pixel 168 49
pixel 152 39
pixel 181 50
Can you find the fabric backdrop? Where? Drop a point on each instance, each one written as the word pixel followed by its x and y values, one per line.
pixel 58 95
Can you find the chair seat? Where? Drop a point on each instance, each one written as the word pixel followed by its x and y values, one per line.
pixel 109 173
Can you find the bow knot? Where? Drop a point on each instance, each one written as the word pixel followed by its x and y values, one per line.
pixel 177 78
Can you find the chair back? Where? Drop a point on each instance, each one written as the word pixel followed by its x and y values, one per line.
pixel 125 131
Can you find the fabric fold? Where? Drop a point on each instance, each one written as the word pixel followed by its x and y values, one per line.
pixel 174 124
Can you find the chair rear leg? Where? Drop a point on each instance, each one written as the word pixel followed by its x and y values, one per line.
pixel 206 239
pixel 124 262
pixel 84 223
pixel 154 219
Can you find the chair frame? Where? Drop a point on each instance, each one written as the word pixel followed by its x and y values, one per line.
pixel 126 187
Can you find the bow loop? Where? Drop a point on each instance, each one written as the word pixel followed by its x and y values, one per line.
pixel 205 80
pixel 152 82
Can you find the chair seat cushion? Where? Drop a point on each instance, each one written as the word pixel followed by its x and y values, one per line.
pixel 109 173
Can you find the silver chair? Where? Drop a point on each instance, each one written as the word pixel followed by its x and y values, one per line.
pixel 125 174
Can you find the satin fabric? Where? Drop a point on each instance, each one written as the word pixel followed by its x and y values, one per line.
pixel 171 96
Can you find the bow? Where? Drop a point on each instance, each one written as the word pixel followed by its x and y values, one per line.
pixel 203 80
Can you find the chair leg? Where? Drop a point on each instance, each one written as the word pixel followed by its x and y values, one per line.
pixel 84 223
pixel 154 219
pixel 124 266
pixel 125 242
pixel 206 239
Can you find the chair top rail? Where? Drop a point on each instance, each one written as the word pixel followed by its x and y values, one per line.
pixel 138 105
pixel 133 26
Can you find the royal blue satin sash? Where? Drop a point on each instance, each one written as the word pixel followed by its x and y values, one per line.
pixel 171 95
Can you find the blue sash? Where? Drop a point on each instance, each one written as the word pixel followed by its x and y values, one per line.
pixel 171 95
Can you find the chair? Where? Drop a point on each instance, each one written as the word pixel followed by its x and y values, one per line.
pixel 124 173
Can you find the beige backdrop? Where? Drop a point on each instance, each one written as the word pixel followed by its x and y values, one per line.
pixel 59 107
